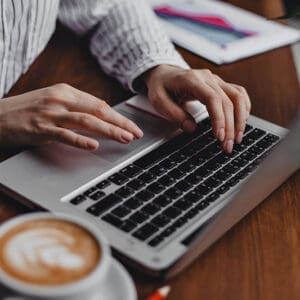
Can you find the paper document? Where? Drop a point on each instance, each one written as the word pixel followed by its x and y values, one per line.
pixel 220 32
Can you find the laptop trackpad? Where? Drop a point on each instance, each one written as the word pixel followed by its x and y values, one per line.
pixel 154 129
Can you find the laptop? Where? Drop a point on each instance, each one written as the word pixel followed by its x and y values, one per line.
pixel 161 200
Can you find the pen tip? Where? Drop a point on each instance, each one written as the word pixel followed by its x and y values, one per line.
pixel 165 290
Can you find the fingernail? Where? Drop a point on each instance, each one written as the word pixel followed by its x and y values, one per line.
pixel 239 137
pixel 126 137
pixel 221 135
pixel 138 133
pixel 92 145
pixel 229 146
pixel 188 125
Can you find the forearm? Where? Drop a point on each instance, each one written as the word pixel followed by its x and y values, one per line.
pixel 130 40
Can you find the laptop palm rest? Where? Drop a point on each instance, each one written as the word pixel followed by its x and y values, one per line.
pixel 50 172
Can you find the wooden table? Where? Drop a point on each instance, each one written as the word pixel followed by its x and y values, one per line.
pixel 259 258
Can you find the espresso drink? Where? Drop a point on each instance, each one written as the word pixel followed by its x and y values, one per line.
pixel 48 252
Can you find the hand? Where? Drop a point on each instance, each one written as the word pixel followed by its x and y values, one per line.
pixel 48 115
pixel 228 104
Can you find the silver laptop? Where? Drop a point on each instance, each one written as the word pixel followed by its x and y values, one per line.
pixel 161 200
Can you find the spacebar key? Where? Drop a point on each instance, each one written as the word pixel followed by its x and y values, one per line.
pixel 104 204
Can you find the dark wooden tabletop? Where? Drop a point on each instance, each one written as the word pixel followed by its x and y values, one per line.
pixel 260 257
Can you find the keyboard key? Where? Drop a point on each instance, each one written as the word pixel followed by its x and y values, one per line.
pixel 162 200
pixel 230 168
pixel 223 189
pixel 168 163
pixel 212 197
pixel 232 181
pixel 103 184
pixel 113 220
pixel 193 196
pixel 168 231
pixel 166 180
pixel 125 192
pixel 160 221
pixel 90 191
pixel 178 157
pixel 158 170
pixel 131 171
pixel 136 184
pixel 191 213
pixel 150 209
pixel 173 193
pixel 212 182
pixel 172 212
pixel 180 222
pixel 146 177
pixel 222 175
pixel 203 189
pixel 156 240
pixel 156 187
pixel 256 133
pixel 183 185
pixel 239 162
pixel 248 155
pixel 79 199
pixel 104 204
pixel 121 211
pixel 118 179
pixel 176 173
pixel 97 195
pixel 145 195
pixel 248 128
pixel 187 166
pixel 139 217
pixel 128 226
pixel 133 203
pixel 200 206
pixel 145 232
pixel 183 204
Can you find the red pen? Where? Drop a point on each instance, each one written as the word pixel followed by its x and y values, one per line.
pixel 161 293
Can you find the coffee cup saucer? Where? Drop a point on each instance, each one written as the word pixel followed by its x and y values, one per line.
pixel 117 284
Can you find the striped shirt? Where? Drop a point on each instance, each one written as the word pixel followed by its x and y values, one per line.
pixel 126 37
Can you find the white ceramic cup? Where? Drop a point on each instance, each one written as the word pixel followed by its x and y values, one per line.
pixel 86 288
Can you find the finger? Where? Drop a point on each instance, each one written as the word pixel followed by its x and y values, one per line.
pixel 227 107
pixel 86 122
pixel 240 108
pixel 166 106
pixel 247 98
pixel 84 102
pixel 71 138
pixel 213 101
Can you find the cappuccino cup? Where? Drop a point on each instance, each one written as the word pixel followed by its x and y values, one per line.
pixel 52 256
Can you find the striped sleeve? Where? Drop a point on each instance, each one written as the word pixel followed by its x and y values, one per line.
pixel 127 38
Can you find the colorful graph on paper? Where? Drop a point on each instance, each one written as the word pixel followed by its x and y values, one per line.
pixel 215 28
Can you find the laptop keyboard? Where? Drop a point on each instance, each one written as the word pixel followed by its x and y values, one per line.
pixel 162 191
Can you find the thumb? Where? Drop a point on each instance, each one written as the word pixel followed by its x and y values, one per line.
pixel 165 105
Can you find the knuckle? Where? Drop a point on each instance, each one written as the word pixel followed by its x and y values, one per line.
pixel 84 120
pixel 156 97
pixel 103 108
pixel 228 104
pixel 207 72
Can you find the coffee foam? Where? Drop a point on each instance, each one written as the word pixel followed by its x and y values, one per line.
pixel 48 252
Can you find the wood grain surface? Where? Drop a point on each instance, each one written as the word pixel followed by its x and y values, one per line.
pixel 260 257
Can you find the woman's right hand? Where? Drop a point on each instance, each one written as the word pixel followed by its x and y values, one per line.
pixel 48 115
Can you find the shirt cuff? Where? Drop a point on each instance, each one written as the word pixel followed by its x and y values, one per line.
pixel 135 81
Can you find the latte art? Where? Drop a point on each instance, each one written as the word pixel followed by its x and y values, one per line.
pixel 48 252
